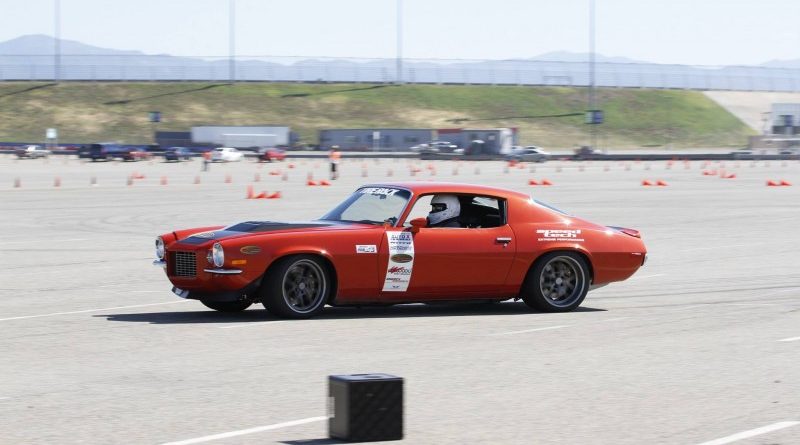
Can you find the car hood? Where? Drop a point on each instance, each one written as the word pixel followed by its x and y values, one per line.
pixel 260 227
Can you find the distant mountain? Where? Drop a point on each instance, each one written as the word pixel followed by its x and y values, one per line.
pixel 791 64
pixel 43 45
pixel 567 56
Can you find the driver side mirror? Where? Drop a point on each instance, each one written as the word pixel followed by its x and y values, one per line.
pixel 418 223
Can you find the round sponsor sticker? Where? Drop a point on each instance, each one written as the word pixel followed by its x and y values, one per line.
pixel 402 258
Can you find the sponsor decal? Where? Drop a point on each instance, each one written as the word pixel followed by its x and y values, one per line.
pixel 402 258
pixel 559 235
pixel 401 261
pixel 250 250
pixel 378 191
pixel 208 235
pixel 366 248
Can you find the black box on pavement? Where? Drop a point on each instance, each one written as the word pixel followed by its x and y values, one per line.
pixel 365 407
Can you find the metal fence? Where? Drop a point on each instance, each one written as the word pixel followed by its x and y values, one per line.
pixel 304 69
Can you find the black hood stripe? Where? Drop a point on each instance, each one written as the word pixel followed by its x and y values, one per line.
pixel 251 227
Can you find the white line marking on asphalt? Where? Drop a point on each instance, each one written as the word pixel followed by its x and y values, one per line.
pixel 247 431
pixel 751 304
pixel 24 317
pixel 791 339
pixel 531 330
pixel 647 276
pixel 612 319
pixel 693 249
pixel 53 241
pixel 751 433
pixel 4 398
pixel 257 323
pixel 147 291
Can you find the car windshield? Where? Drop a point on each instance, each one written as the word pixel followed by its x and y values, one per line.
pixel 371 205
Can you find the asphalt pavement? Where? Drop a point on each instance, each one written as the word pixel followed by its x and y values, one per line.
pixel 701 346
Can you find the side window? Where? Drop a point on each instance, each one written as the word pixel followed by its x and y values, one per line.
pixel 420 210
pixel 482 212
pixel 476 211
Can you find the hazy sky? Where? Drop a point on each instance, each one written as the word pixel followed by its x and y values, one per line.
pixel 708 32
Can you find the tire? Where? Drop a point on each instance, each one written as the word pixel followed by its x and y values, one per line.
pixel 228 306
pixel 558 282
pixel 296 287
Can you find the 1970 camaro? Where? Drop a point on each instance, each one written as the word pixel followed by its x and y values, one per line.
pixel 378 247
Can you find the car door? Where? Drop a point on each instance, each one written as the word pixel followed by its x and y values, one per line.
pixel 446 262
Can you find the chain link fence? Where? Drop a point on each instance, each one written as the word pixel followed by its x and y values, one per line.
pixel 429 71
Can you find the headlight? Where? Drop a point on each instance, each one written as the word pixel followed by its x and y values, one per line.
pixel 218 255
pixel 159 248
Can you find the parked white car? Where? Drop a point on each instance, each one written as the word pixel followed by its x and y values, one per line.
pixel 530 153
pixel 226 154
pixel 33 151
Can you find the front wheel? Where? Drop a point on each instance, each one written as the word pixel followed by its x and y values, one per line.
pixel 296 287
pixel 228 306
pixel 558 282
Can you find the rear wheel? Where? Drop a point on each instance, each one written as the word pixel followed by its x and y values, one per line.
pixel 228 306
pixel 558 282
pixel 296 287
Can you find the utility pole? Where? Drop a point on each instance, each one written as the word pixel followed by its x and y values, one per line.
pixel 57 42
pixel 232 41
pixel 399 41
pixel 592 98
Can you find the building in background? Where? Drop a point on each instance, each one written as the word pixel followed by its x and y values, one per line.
pixel 785 119
pixel 492 140
pixel 256 136
pixel 374 139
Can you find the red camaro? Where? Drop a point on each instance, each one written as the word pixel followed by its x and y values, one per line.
pixel 400 243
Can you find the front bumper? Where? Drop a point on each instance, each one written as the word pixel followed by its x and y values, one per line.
pixel 249 292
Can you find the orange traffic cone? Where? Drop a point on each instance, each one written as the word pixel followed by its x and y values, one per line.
pixel 275 195
pixel 532 182
pixel 771 183
pixel 646 182
pixel 785 183
pixel 661 183
pixel 311 183
pixel 546 182
pixel 324 182
pixel 249 192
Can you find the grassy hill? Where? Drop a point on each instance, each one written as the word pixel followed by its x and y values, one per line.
pixel 90 111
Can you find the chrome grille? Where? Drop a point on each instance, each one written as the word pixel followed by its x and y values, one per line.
pixel 185 264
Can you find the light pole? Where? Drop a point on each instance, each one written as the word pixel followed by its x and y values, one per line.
pixel 592 99
pixel 57 42
pixel 399 41
pixel 232 40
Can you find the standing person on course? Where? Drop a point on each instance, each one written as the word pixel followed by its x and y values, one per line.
pixel 334 156
pixel 206 160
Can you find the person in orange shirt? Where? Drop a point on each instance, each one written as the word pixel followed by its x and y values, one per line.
pixel 206 160
pixel 334 156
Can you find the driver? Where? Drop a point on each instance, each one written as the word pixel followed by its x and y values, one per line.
pixel 445 210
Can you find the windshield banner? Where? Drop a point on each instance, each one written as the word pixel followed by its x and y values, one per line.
pixel 401 261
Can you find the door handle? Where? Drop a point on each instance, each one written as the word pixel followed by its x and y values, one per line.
pixel 503 240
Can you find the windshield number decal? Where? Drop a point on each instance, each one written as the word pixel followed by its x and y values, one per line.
pixel 378 191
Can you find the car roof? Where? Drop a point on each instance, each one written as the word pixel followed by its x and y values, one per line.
pixel 425 187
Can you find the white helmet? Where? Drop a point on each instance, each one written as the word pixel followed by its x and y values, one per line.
pixel 443 207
